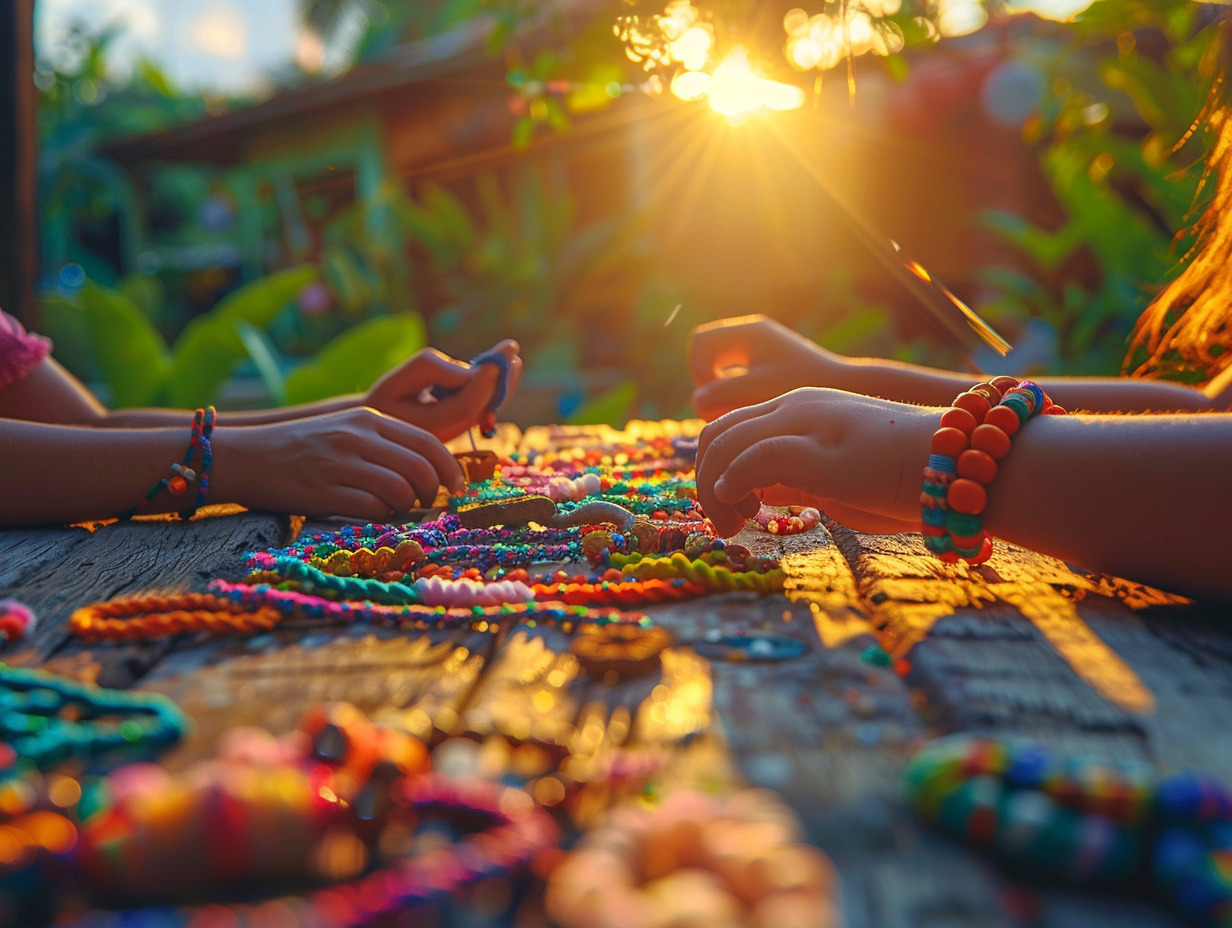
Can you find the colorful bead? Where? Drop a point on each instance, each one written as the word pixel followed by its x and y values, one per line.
pixel 1083 821
pixel 977 465
pixel 992 440
pixel 973 436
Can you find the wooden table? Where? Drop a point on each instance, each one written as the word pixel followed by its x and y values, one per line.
pixel 1024 646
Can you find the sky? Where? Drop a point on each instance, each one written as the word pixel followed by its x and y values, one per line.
pixel 221 45
pixel 228 45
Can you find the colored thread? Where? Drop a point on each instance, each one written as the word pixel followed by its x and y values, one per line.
pixel 178 476
pixel 159 616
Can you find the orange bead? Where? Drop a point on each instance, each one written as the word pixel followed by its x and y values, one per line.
pixel 990 439
pixel 985 553
pixel 967 496
pixel 1055 410
pixel 977 465
pixel 177 485
pixel 948 441
pixel 960 419
pixel 975 404
pixel 1003 418
pixel 1004 383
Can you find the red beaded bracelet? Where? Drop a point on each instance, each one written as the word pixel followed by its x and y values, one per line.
pixel 974 436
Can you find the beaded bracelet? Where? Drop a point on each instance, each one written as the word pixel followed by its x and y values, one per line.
pixel 179 475
pixel 974 435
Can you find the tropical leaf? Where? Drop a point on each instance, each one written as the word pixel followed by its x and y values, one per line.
pixel 64 322
pixel 132 357
pixel 210 346
pixel 356 358
pixel 608 408
pixel 265 357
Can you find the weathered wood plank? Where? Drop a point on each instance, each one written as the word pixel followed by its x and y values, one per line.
pixel 129 559
pixel 832 733
pixel 418 680
pixel 1027 646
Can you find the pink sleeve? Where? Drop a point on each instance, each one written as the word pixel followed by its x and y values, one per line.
pixel 20 352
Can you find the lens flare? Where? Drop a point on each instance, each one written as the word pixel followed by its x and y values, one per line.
pixel 736 92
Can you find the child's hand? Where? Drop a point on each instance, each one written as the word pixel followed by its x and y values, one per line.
pixel 400 392
pixel 750 359
pixel 356 462
pixel 858 458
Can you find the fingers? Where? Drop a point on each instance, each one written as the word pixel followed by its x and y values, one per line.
pixel 491 380
pixel 442 468
pixel 432 368
pixel 354 503
pixel 786 460
pixel 728 421
pixel 718 345
pixel 511 349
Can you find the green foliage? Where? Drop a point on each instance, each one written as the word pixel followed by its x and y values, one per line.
pixel 133 359
pixel 609 408
pixel 356 358
pixel 516 262
pixel 210 347
pixel 1124 194
pixel 82 106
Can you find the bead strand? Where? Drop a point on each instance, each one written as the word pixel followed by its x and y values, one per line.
pixel 964 454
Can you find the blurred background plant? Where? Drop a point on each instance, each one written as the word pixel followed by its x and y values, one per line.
pixel 1121 90
pixel 155 290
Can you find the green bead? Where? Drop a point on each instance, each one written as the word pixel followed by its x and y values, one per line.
pixel 1020 406
pixel 963 524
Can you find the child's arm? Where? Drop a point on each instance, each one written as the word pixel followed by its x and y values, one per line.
pixel 1145 497
pixel 355 462
pixel 769 359
pixel 51 394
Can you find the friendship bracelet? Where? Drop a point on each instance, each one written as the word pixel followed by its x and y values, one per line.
pixel 974 435
pixel 201 438
pixel 156 616
pixel 179 475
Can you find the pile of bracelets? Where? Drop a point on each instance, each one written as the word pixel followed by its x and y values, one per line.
pixel 974 436
pixel 1100 822
pixel 345 814
pixel 181 473
pixel 48 720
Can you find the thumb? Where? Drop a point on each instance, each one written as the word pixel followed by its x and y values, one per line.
pixel 431 368
pixel 721 396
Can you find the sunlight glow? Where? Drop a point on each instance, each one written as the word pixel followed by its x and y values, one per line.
pixel 736 92
pixel 1059 10
pixel 823 41
pixel 221 31
pixel 960 17
pixel 693 48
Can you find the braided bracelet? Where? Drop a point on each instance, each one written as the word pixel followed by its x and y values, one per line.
pixel 203 430
pixel 156 616
pixel 974 435
pixel 179 474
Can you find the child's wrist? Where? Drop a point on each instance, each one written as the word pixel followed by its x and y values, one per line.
pixel 911 432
